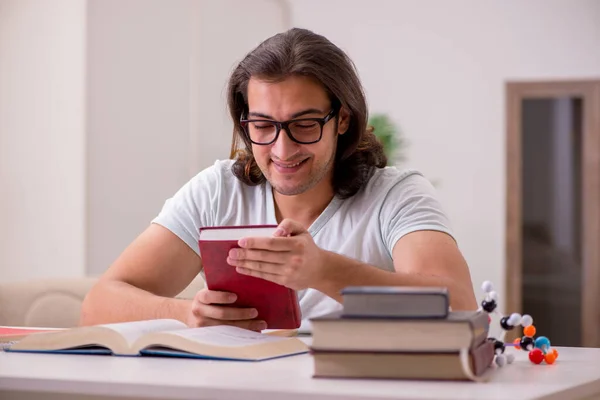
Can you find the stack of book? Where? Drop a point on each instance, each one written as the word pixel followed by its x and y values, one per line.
pixel 400 333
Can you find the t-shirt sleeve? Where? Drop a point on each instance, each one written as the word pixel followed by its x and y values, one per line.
pixel 411 205
pixel 191 207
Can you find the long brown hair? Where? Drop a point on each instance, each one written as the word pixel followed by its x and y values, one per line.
pixel 302 52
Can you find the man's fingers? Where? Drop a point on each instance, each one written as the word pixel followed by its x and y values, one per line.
pixel 274 269
pixel 207 311
pixel 206 296
pixel 253 325
pixel 267 243
pixel 273 257
pixel 225 313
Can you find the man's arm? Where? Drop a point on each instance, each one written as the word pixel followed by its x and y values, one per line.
pixel 421 258
pixel 142 281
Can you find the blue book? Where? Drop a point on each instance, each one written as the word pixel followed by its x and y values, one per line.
pixel 163 338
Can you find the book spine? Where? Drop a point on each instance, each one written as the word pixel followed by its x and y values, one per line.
pixel 482 358
pixel 479 324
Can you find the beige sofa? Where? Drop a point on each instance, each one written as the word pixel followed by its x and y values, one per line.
pixel 53 302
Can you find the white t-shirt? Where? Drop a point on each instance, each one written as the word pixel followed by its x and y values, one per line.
pixel 365 226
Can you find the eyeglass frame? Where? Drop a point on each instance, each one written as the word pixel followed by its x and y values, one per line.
pixel 279 125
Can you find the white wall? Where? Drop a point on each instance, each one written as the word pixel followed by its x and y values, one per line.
pixel 138 117
pixel 42 138
pixel 439 69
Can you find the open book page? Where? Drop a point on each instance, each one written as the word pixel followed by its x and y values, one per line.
pixel 219 342
pixel 131 331
pixel 226 336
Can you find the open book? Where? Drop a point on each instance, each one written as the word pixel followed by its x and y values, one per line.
pixel 164 337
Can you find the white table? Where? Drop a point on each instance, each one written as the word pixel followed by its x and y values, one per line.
pixel 50 377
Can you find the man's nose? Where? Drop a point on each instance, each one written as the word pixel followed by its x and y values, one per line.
pixel 284 147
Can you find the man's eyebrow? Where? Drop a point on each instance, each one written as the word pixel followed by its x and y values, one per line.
pixel 295 115
pixel 307 111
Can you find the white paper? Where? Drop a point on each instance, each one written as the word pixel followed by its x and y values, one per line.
pixel 227 336
pixel 131 331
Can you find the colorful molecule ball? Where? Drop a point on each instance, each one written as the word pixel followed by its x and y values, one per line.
pixel 539 348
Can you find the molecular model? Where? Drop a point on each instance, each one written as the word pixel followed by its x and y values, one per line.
pixel 539 348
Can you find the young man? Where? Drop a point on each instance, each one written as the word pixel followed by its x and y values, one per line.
pixel 304 159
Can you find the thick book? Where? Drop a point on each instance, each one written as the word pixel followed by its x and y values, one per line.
pixel 395 302
pixel 277 305
pixel 461 329
pixel 471 365
pixel 164 337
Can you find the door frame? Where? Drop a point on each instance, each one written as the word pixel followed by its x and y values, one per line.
pixel 589 92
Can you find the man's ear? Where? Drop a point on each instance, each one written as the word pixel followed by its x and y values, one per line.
pixel 343 121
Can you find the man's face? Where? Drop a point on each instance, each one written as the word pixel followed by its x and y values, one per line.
pixel 290 167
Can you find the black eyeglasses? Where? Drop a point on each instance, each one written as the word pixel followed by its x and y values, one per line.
pixel 303 130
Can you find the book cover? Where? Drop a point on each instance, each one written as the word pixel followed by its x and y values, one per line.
pixel 164 337
pixel 457 365
pixel 277 305
pixel 395 302
pixel 461 329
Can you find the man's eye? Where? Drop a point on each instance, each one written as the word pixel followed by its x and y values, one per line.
pixel 306 125
pixel 263 126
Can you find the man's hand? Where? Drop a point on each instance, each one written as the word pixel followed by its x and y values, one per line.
pixel 291 258
pixel 210 307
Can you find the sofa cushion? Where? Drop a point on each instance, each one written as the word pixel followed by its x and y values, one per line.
pixel 43 302
pixel 54 302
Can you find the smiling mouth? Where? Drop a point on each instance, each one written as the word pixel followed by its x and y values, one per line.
pixel 284 165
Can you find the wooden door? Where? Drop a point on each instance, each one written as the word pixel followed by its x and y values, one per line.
pixel 533 254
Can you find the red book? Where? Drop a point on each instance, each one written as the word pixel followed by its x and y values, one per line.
pixel 277 305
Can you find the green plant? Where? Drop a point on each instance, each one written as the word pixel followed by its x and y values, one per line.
pixel 390 136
